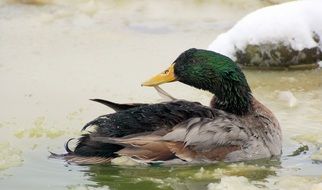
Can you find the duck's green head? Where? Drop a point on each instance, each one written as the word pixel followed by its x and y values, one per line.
pixel 213 72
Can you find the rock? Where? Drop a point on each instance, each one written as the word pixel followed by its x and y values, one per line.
pixel 271 37
pixel 278 56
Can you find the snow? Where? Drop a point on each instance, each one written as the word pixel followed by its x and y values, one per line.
pixel 232 183
pixel 283 182
pixel 288 98
pixel 293 23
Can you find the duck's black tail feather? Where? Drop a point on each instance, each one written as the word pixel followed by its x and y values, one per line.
pixel 117 107
pixel 68 150
pixel 88 152
pixel 87 147
pixel 67 147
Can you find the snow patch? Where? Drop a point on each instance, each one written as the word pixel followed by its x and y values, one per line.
pixel 126 161
pixel 320 63
pixel 317 156
pixel 297 24
pixel 232 183
pixel 317 186
pixel 283 182
pixel 314 138
pixel 288 97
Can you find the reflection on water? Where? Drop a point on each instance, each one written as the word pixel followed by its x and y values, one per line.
pixel 177 177
pixel 56 56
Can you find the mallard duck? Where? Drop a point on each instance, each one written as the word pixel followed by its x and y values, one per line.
pixel 235 127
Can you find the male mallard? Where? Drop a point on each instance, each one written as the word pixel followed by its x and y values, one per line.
pixel 236 127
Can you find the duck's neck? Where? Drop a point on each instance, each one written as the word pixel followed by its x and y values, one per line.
pixel 232 99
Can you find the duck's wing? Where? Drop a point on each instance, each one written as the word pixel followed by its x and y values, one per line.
pixel 120 107
pixel 116 106
pixel 146 119
pixel 196 139
pixel 207 139
pixel 144 146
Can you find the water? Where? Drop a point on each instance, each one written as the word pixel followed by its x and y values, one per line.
pixel 57 55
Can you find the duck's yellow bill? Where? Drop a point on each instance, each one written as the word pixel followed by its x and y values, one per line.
pixel 164 77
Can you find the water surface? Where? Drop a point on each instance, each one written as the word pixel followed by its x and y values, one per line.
pixel 56 56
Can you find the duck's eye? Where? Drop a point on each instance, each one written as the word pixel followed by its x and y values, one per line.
pixel 166 72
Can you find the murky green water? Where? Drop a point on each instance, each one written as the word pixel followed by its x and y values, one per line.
pixel 56 56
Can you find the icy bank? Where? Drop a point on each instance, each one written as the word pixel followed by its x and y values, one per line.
pixel 280 36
